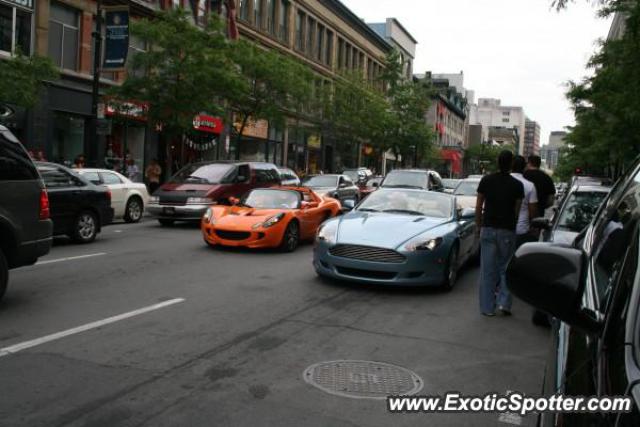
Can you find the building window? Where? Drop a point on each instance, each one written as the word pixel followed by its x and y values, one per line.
pixel 506 113
pixel 63 36
pixel 136 46
pixel 257 13
pixel 271 16
pixel 311 35
pixel 320 43
pixel 340 54
pixel 244 9
pixel 15 30
pixel 300 20
pixel 328 54
pixel 505 120
pixel 283 21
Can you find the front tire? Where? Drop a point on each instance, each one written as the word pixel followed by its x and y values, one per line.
pixel 451 270
pixel 133 211
pixel 4 274
pixel 291 237
pixel 85 228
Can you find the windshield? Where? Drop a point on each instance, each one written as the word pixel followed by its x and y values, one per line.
pixel 353 174
pixel 321 181
pixel 272 199
pixel 450 183
pixel 579 210
pixel 406 179
pixel 467 188
pixel 214 173
pixel 408 202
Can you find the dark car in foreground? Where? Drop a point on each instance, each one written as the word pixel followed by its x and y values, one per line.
pixel 337 186
pixel 413 178
pixel 592 288
pixel 79 209
pixel 25 227
pixel 398 237
pixel 190 192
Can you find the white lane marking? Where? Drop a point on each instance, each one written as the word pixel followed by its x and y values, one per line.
pixel 117 231
pixel 71 258
pixel 48 338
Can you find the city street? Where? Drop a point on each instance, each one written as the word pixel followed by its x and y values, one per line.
pixel 222 337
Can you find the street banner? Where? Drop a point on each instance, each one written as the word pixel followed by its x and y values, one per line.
pixel 116 38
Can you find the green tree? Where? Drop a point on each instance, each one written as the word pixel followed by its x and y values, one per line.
pixel 185 71
pixel 22 78
pixel 484 157
pixel 274 86
pixel 606 137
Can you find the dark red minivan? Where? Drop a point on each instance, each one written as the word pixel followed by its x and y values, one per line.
pixel 188 194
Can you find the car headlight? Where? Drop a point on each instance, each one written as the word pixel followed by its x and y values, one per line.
pixel 328 232
pixel 199 201
pixel 154 200
pixel 422 243
pixel 270 222
pixel 208 216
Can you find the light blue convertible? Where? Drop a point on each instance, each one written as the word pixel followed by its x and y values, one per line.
pixel 398 237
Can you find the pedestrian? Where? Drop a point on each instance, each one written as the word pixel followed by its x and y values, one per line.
pixel 153 174
pixel 497 207
pixel 79 162
pixel 529 206
pixel 132 170
pixel 543 183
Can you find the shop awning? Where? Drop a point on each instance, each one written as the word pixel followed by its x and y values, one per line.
pixel 456 159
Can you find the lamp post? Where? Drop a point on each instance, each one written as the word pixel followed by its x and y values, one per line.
pixel 95 93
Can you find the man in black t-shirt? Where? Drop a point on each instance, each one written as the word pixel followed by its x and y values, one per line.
pixel 543 183
pixel 497 208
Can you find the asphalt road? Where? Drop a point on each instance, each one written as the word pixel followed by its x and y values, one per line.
pixel 232 335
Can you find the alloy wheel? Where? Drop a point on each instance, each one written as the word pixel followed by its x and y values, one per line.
pixel 86 226
pixel 134 210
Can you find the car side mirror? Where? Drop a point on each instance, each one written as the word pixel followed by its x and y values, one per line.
pixel 234 201
pixel 541 223
pixel 348 205
pixel 550 278
pixel 467 213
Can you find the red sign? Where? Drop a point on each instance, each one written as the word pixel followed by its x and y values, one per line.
pixel 209 124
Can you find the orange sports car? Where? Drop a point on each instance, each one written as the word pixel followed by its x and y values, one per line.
pixel 277 217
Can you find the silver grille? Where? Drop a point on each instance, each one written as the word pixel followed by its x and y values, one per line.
pixel 368 253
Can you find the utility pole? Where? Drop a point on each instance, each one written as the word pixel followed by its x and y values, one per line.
pixel 97 55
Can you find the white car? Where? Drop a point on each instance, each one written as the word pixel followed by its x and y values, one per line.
pixel 128 198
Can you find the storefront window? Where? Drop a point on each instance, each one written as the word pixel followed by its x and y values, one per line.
pixel 63 36
pixel 15 29
pixel 68 138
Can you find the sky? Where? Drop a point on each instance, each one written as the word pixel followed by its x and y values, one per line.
pixel 520 51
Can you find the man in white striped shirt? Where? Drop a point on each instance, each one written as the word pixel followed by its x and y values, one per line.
pixel 529 206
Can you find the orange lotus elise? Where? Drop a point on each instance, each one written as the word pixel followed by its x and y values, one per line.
pixel 277 217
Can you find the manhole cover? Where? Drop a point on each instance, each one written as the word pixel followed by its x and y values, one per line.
pixel 362 379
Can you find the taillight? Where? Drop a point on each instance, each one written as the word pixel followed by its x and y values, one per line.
pixel 109 195
pixel 44 205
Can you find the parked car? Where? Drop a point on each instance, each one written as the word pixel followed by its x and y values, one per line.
pixel 359 176
pixel 339 187
pixel 190 192
pixel 25 227
pixel 268 218
pixel 288 177
pixel 467 192
pixel 398 237
pixel 128 198
pixel 413 178
pixel 372 185
pixel 592 288
pixel 450 184
pixel 79 208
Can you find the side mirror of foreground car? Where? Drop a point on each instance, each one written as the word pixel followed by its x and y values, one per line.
pixel 467 213
pixel 541 223
pixel 549 277
pixel 348 205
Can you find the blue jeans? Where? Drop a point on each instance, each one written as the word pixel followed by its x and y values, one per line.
pixel 496 249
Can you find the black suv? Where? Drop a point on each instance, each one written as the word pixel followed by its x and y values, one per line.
pixel 25 227
pixel 592 288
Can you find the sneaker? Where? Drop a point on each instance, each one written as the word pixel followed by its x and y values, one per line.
pixel 488 314
pixel 504 311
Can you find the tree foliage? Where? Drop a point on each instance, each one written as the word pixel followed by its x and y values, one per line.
pixel 22 77
pixel 606 137
pixel 483 157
